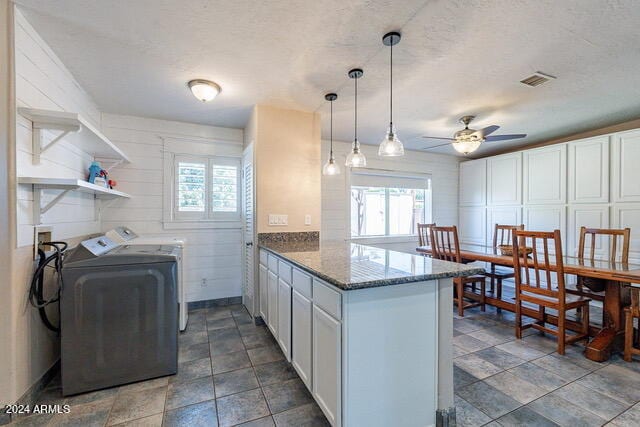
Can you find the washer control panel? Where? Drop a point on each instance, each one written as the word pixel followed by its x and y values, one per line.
pixel 99 245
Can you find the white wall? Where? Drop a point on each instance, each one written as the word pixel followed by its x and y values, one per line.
pixel 335 199
pixel 214 255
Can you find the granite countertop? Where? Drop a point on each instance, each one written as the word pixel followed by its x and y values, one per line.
pixel 350 266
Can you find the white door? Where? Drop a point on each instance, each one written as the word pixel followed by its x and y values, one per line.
pixel 284 317
pixel 264 290
pixel 248 218
pixel 327 349
pixel 272 303
pixel 301 336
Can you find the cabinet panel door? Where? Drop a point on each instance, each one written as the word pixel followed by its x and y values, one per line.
pixel 628 215
pixel 301 334
pixel 506 215
pixel 504 179
pixel 327 369
pixel 547 218
pixel 284 317
pixel 545 175
pixel 473 183
pixel 264 292
pixel 272 303
pixel 626 173
pixel 590 216
pixel 589 170
pixel 472 225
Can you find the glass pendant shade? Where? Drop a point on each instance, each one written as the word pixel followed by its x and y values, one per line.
pixel 391 145
pixel 466 147
pixel 356 159
pixel 331 167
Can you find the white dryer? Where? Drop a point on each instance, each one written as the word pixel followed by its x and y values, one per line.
pixel 123 235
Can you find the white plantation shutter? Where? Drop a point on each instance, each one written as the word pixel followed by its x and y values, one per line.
pixel 191 189
pixel 224 188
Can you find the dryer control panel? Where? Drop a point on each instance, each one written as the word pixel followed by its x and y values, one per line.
pixel 121 234
pixel 99 245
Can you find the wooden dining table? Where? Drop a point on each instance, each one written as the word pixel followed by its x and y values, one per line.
pixel 606 338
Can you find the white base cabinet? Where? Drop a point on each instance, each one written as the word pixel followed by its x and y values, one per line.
pixel 284 318
pixel 263 278
pixel 301 336
pixel 327 369
pixel 272 302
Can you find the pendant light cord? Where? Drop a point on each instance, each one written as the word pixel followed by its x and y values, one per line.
pixel 331 131
pixel 355 129
pixel 391 86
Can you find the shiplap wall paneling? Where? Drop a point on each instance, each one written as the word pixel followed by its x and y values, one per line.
pixel 504 180
pixel 590 216
pixel 473 183
pixel 626 166
pixel 545 175
pixel 502 215
pixel 472 225
pixel 628 215
pixel 588 172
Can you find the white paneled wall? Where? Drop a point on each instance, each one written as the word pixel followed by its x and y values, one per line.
pixel 335 199
pixel 213 268
pixel 591 182
pixel 42 81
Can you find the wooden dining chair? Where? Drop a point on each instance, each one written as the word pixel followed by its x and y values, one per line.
pixel 591 287
pixel 502 235
pixel 632 335
pixel 424 234
pixel 535 285
pixel 445 246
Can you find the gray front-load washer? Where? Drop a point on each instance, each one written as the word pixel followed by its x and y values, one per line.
pixel 118 315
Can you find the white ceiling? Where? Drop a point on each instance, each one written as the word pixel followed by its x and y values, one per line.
pixel 456 57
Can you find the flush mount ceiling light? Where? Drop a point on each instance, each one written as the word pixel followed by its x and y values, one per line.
pixel 331 167
pixel 204 90
pixel 391 145
pixel 356 159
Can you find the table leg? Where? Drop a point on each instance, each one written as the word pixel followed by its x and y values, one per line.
pixel 609 337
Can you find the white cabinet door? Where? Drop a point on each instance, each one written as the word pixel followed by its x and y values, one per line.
pixel 628 215
pixel 472 225
pixel 505 215
pixel 327 348
pixel 263 277
pixel 590 216
pixel 504 179
pixel 301 312
pixel 547 218
pixel 626 172
pixel 284 317
pixel 589 170
pixel 473 183
pixel 272 304
pixel 545 175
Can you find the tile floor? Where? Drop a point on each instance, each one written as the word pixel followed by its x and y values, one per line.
pixel 230 373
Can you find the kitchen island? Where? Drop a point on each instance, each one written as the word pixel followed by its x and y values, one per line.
pixel 368 330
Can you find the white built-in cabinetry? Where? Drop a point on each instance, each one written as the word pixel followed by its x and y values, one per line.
pixel 593 182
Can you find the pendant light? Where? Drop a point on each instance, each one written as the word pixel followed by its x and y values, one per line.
pixel 391 145
pixel 331 167
pixel 356 159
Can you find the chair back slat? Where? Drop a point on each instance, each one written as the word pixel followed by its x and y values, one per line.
pixel 547 246
pixel 502 235
pixel 424 234
pixel 624 235
pixel 635 301
pixel 445 244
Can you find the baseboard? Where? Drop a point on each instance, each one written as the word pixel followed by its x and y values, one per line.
pixel 195 305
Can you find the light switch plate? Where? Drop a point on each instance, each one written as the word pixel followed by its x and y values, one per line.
pixel 278 220
pixel 307 219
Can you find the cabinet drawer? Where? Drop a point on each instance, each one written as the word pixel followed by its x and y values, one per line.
pixel 302 283
pixel 263 257
pixel 284 271
pixel 327 299
pixel 273 263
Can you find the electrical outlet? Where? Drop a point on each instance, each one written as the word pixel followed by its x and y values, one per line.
pixel 203 283
pixel 41 234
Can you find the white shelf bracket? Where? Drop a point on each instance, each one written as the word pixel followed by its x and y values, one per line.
pixel 37 139
pixel 38 209
pixel 115 164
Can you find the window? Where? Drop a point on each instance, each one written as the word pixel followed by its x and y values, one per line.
pixel 206 188
pixel 388 205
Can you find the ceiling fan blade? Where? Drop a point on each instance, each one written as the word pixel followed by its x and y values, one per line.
pixel 505 137
pixel 437 137
pixel 436 146
pixel 489 130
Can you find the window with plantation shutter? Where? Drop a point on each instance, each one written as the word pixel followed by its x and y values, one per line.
pixel 224 188
pixel 192 178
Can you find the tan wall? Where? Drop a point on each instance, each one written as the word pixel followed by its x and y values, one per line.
pixel 287 168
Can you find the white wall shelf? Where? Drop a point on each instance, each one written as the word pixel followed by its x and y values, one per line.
pixel 74 128
pixel 66 185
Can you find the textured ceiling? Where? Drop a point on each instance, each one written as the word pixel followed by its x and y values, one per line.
pixel 456 57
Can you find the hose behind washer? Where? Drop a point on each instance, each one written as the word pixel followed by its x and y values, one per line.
pixel 36 290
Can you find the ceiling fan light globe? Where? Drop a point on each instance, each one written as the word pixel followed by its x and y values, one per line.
pixel 391 145
pixel 466 147
pixel 331 167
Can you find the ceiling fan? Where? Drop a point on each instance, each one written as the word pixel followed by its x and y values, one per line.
pixel 467 140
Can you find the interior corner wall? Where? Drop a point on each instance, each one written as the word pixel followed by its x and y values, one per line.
pixel 287 168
